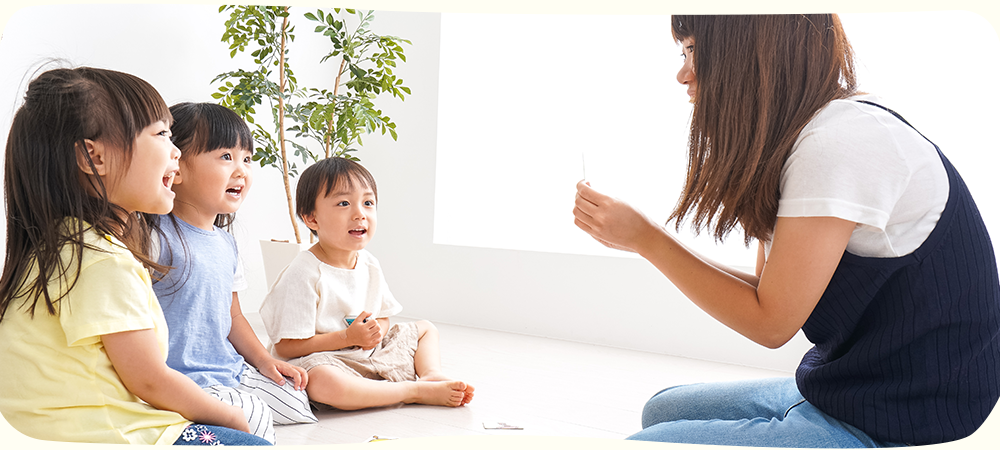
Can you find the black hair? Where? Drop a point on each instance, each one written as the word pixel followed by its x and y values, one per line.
pixel 200 128
pixel 320 179
pixel 204 127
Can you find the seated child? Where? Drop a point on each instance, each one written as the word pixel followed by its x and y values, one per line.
pixel 210 340
pixel 309 309
pixel 83 341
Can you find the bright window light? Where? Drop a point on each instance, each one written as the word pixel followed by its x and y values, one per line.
pixel 526 99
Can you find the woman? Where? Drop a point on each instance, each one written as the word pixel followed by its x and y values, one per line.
pixel 869 242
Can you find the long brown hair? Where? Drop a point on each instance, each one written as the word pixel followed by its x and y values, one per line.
pixel 760 79
pixel 42 182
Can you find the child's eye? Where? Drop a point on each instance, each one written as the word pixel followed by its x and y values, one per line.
pixel 344 203
pixel 164 133
pixel 369 203
pixel 247 160
pixel 227 156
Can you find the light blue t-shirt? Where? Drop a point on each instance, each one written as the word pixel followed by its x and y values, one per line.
pixel 196 296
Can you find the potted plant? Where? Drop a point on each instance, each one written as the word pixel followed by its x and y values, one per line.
pixel 333 117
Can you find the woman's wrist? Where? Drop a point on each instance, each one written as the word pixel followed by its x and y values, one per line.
pixel 649 239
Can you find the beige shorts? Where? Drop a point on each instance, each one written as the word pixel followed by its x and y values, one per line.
pixel 390 360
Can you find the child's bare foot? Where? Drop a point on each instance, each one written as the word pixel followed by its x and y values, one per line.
pixel 439 393
pixel 438 376
pixel 469 392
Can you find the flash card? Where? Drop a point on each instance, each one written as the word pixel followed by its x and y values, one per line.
pixel 500 426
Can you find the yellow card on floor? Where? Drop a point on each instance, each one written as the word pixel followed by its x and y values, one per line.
pixel 501 426
pixel 377 438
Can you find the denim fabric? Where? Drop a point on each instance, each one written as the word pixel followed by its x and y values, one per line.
pixel 753 413
pixel 198 434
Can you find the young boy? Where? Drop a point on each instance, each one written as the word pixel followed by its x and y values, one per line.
pixel 328 311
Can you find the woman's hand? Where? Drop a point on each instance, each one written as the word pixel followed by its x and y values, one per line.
pixel 610 221
pixel 364 332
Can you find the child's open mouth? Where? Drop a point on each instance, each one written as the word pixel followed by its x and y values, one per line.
pixel 235 191
pixel 358 232
pixel 168 179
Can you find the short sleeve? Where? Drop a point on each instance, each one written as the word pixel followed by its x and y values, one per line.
pixel 111 295
pixel 850 167
pixel 390 306
pixel 289 309
pixel 240 282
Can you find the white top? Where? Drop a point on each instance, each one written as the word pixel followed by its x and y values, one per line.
pixel 860 163
pixel 310 297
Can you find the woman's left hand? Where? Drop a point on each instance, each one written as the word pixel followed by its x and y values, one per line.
pixel 610 221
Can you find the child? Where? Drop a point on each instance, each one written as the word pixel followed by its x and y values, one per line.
pixel 82 337
pixel 309 309
pixel 210 340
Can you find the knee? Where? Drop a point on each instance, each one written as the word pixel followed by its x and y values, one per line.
pixel 424 327
pixel 667 405
pixel 325 382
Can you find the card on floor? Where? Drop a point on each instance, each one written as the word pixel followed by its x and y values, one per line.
pixel 501 426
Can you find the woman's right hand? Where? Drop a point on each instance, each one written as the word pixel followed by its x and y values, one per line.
pixel 610 221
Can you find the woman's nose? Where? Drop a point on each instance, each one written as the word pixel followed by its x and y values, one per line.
pixel 686 74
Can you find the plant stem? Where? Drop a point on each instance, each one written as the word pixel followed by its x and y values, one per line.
pixel 333 116
pixel 281 127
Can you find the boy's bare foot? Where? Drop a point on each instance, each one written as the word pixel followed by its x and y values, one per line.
pixel 439 393
pixel 438 376
pixel 469 392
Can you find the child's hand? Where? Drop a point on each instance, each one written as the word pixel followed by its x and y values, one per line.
pixel 364 332
pixel 277 370
pixel 235 419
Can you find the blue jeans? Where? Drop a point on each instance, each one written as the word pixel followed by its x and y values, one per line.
pixel 198 434
pixel 754 413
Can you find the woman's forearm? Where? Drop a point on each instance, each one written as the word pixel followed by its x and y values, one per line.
pixel 770 309
pixel 728 295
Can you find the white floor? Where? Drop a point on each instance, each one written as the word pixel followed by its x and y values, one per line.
pixel 548 387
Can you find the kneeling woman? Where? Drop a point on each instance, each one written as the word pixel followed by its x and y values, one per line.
pixel 870 243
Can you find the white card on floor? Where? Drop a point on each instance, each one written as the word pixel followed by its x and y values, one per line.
pixel 501 426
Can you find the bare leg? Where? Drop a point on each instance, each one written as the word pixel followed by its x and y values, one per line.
pixel 427 357
pixel 332 386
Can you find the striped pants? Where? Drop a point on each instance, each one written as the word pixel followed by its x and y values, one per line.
pixel 264 402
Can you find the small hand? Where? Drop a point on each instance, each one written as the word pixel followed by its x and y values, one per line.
pixel 364 332
pixel 235 419
pixel 277 370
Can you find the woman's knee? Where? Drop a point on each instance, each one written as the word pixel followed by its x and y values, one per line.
pixel 667 405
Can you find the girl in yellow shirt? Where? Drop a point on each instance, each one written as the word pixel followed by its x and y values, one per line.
pixel 82 336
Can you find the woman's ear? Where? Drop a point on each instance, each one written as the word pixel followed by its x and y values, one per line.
pixel 91 157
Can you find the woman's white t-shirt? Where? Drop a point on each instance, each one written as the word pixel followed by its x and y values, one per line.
pixel 860 163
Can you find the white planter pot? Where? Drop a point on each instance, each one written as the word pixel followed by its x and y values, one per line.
pixel 277 255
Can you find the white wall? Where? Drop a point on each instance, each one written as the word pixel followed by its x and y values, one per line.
pixel 611 301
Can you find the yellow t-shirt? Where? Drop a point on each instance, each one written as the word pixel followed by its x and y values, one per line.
pixel 57 381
